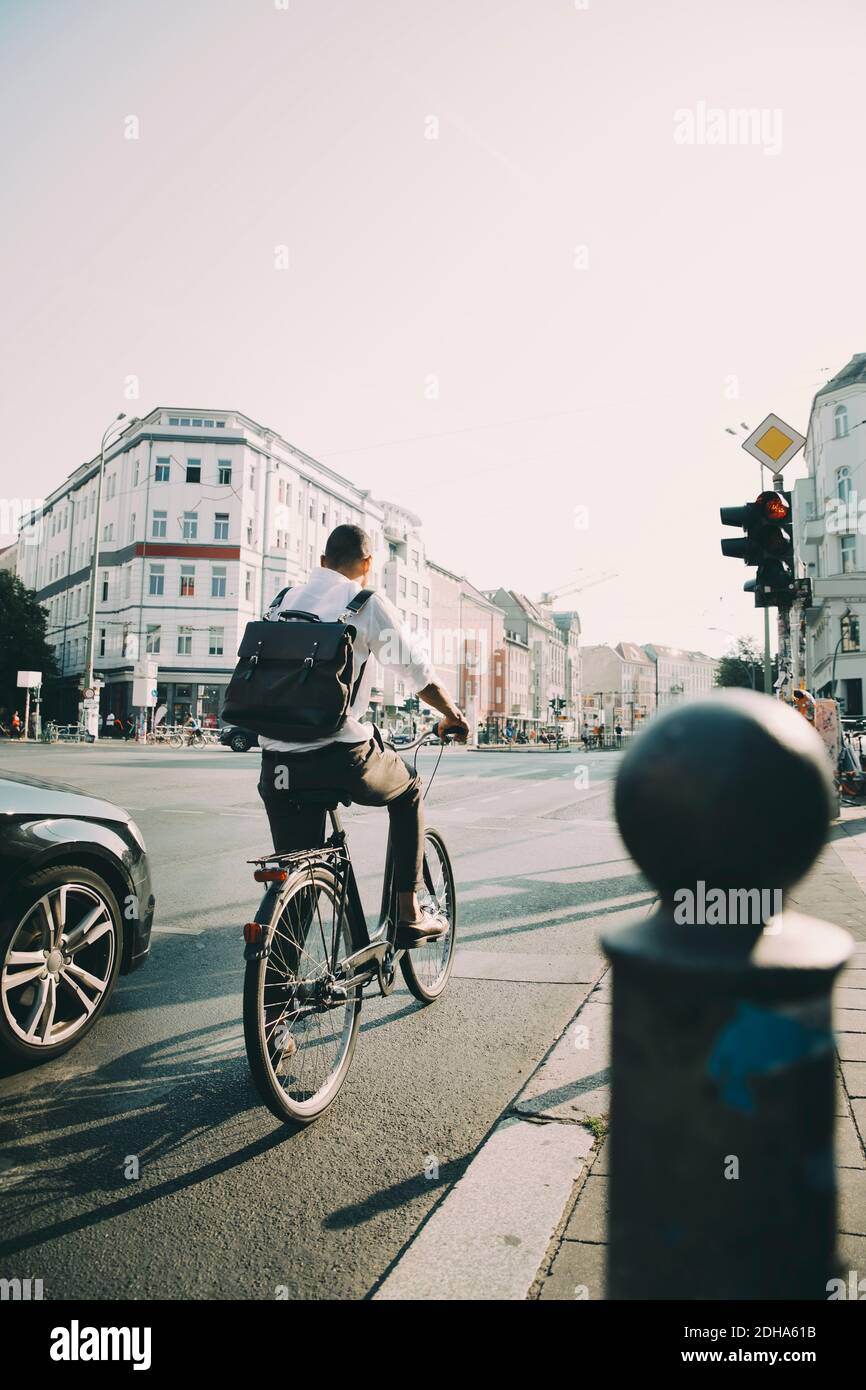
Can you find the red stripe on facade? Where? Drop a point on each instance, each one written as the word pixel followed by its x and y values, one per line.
pixel 154 550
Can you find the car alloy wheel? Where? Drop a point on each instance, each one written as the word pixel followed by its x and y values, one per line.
pixel 59 963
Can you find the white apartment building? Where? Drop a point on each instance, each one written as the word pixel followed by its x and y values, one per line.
pixel 829 540
pixel 406 582
pixel 205 516
pixel 680 674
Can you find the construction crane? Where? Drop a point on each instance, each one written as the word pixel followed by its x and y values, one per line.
pixel 576 587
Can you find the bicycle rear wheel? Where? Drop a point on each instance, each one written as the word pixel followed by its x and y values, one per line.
pixel 427 969
pixel 299 1036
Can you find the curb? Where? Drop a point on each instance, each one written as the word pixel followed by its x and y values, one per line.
pixel 489 1235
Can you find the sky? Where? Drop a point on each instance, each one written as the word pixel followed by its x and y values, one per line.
pixel 535 268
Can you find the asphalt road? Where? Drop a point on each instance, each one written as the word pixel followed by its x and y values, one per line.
pixel 225 1205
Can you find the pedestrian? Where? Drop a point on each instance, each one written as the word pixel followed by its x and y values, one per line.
pixel 109 724
pixel 16 725
pixel 618 732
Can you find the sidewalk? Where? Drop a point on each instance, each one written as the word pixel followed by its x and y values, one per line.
pixel 528 1218
pixel 574 1266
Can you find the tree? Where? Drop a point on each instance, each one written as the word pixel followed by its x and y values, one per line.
pixel 745 667
pixel 22 640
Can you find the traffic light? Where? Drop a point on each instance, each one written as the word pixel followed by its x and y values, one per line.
pixel 768 544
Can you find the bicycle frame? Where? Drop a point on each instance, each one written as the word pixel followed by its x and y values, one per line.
pixel 377 953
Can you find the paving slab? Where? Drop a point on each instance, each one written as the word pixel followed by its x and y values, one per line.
pixel 849 1150
pixel 851 1046
pixel 852 1201
pixel 850 1020
pixel 854 1076
pixel 578 1273
pixel 588 1221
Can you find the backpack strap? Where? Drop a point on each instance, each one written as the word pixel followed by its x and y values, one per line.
pixel 276 601
pixel 359 600
pixel 355 606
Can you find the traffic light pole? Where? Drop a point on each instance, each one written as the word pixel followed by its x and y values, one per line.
pixel 768 668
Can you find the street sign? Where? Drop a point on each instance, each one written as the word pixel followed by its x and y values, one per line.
pixel 89 693
pixel 774 443
pixel 29 679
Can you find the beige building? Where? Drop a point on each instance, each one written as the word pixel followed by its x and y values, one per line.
pixel 467 649
pixel 618 685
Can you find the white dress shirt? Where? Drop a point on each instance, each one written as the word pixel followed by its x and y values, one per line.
pixel 381 633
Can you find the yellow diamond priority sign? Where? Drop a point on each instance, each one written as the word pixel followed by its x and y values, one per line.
pixel 774 443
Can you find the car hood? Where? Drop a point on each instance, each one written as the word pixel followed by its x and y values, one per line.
pixel 30 796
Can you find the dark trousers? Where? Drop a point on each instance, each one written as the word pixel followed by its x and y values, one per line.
pixel 366 773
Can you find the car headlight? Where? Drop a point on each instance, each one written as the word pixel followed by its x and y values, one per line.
pixel 136 834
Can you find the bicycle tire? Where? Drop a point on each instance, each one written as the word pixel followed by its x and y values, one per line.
pixel 427 969
pixel 260 1029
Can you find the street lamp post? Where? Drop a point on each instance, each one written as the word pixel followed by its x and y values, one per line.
pixel 94 564
pixel 846 614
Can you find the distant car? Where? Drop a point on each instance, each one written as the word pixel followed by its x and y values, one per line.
pixel 76 912
pixel 239 740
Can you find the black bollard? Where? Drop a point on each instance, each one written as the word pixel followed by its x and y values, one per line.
pixel 722 1183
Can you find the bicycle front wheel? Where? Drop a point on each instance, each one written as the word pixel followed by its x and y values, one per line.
pixel 427 969
pixel 300 1024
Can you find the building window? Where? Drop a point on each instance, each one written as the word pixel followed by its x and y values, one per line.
pixel 215 641
pixel 252 479
pixel 221 526
pixel 135 474
pixel 426 597
pixel 848 547
pixel 157 580
pixel 162 472
pixel 152 640
pixel 190 526
pixel 193 470
pixel 224 473
pixel 187 581
pixel 413 589
pixel 159 522
pixel 173 420
pixel 184 641
pixel 840 422
pixel 104 587
pixel 414 559
pixel 102 641
pixel 108 531
pixel 403 585
pixel 250 531
pixel 132 527
pixel 843 484
pixel 218 582
pixel 248 585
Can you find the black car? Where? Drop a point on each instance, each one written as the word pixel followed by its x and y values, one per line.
pixel 240 740
pixel 76 910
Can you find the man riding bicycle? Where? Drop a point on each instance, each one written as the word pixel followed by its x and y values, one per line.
pixel 355 760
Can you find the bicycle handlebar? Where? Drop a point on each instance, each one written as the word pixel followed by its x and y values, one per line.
pixel 418 742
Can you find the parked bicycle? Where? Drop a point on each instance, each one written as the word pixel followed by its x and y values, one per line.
pixel 309 958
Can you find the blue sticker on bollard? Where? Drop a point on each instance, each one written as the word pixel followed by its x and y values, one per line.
pixel 755 1043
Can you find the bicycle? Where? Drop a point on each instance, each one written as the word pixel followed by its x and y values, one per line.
pixel 309 957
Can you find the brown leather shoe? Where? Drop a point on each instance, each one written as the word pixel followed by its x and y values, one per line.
pixel 429 926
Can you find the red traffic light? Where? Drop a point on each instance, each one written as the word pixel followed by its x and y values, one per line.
pixel 773 505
